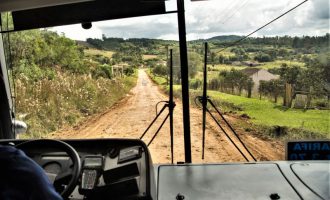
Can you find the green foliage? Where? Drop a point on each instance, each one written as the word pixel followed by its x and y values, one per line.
pixel 147 46
pixel 265 113
pixel 194 65
pixel 129 71
pixel 272 88
pixel 159 80
pixel 290 74
pixel 196 84
pixel 240 54
pixel 48 105
pixel 46 50
pixel 104 71
pixel 214 84
pixel 263 57
pixel 234 79
pixel 160 70
pixel 57 84
pixel 128 53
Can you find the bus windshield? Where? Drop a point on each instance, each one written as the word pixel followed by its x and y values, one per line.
pixel 111 79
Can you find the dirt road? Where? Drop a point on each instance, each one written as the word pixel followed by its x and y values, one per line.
pixel 132 115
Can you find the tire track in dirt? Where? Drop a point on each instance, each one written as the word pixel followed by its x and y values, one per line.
pixel 131 116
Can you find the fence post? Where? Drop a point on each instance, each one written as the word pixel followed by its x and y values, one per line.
pixel 288 95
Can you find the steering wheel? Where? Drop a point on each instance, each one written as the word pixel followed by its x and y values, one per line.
pixel 73 172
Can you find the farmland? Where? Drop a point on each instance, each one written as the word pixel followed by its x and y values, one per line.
pixel 90 70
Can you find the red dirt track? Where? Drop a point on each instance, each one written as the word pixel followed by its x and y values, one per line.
pixel 132 115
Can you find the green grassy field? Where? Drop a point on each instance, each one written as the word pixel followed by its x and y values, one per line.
pixel 148 57
pixel 222 67
pixel 157 79
pixel 278 63
pixel 99 52
pixel 268 113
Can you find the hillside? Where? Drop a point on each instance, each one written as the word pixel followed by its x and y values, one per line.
pixel 58 82
pixel 224 38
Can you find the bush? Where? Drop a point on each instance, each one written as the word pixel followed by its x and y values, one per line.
pixel 129 71
pixel 196 84
pixel 324 104
pixel 104 71
pixel 263 57
pixel 35 73
pixel 160 70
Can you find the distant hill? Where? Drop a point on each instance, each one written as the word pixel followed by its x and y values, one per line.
pixel 225 38
pixel 157 46
pixel 84 44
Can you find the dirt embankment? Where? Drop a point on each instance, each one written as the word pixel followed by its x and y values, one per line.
pixel 131 116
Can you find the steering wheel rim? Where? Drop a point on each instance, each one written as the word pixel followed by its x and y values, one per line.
pixel 63 146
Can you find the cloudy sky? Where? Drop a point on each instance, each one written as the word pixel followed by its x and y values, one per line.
pixel 205 19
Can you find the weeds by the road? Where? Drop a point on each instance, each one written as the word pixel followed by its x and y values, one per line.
pixel 48 105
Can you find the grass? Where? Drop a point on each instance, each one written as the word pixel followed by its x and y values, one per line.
pixel 99 52
pixel 159 80
pixel 278 63
pixel 222 67
pixel 48 105
pixel 266 113
pixel 226 53
pixel 148 57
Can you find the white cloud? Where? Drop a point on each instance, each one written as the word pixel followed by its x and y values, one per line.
pixel 205 19
pixel 76 32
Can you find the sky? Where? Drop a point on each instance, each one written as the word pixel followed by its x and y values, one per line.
pixel 205 19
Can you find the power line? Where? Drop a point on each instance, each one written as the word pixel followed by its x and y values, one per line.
pixel 229 7
pixel 234 12
pixel 238 41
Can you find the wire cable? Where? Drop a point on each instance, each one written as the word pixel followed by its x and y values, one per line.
pixel 234 12
pixel 240 40
pixel 229 7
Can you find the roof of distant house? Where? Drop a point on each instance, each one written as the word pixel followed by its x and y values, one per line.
pixel 250 70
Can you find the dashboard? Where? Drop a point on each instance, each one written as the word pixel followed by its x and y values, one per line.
pixel 110 168
pixel 113 169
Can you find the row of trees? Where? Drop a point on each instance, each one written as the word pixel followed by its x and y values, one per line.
pixel 146 46
pixel 233 81
pixel 313 79
pixel 305 42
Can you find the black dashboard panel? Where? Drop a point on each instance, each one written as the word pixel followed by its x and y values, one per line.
pixel 245 181
pixel 208 182
pixel 111 168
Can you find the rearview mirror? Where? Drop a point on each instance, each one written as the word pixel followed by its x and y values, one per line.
pixel 20 127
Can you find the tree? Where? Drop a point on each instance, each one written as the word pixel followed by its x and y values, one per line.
pixel 194 64
pixel 222 59
pixel 45 50
pixel 160 70
pixel 234 79
pixel 290 74
pixel 249 86
pixel 263 57
pixel 271 88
